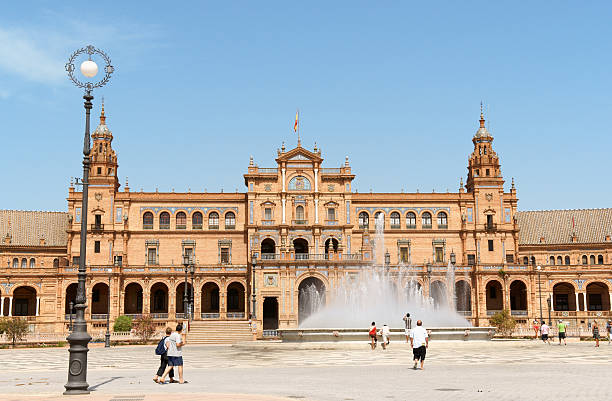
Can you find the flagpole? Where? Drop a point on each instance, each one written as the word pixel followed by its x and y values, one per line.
pixel 298 119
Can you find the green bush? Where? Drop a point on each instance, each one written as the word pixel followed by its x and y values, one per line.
pixel 15 328
pixel 123 323
pixel 144 328
pixel 503 321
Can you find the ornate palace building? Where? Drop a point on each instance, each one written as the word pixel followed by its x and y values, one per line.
pixel 298 224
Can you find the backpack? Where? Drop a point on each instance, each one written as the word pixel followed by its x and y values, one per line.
pixel 161 348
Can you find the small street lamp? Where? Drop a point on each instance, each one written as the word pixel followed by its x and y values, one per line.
pixel 453 258
pixel 539 268
pixel 429 270
pixel 107 335
pixel 79 338
pixel 387 258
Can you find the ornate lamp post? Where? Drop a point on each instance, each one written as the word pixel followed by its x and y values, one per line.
pixel 186 263
pixel 539 268
pixel 453 258
pixel 79 338
pixel 429 270
pixel 71 305
pixel 192 271
pixel 387 258
pixel 253 296
pixel 107 335
pixel 548 300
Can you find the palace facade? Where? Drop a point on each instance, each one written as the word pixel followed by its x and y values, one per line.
pixel 299 223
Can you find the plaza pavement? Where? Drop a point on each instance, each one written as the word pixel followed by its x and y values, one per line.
pixel 500 370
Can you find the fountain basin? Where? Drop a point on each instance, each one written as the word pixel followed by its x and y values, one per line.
pixel 340 335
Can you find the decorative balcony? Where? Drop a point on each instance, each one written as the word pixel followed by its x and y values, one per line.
pixel 490 227
pixel 213 226
pixel 97 227
pixel 300 222
pixel 163 226
pixel 210 315
pixel 364 226
pixel 269 256
pixel 492 312
pixel 181 226
pixel 235 315
pixel 134 315
pixel 411 226
pixel 196 227
pixel 395 226
pixel 230 226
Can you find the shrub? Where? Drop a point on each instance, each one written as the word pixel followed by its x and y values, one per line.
pixel 503 321
pixel 122 323
pixel 144 328
pixel 15 328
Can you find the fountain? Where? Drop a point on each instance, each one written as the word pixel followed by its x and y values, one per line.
pixel 377 294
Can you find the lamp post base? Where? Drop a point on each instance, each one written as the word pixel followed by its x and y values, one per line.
pixel 77 365
pixel 107 340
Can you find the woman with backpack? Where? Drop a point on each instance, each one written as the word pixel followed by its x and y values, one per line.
pixel 162 351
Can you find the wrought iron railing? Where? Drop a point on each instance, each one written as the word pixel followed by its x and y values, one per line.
pixel 395 226
pixel 97 227
pixel 163 226
pixel 134 315
pixel 180 315
pixel 67 316
pixel 490 227
pixel 465 312
pixel 214 315
pixel 364 226
pixel 442 226
pixel 98 316
pixel 159 316
pixel 181 226
pixel 426 226
pixel 230 226
pixel 492 312
pixel 213 226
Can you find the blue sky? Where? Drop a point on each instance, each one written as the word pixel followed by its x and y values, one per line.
pixel 396 86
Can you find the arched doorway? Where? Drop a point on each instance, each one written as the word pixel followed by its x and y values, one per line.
pixel 99 299
pixel 311 297
pixel 495 296
pixel 24 302
pixel 132 304
pixel 210 301
pixel 300 245
pixel 463 294
pixel 235 300
pixel 334 245
pixel 268 248
pixel 180 297
pixel 564 298
pixel 71 293
pixel 439 294
pixel 270 313
pixel 598 297
pixel 518 298
pixel 159 298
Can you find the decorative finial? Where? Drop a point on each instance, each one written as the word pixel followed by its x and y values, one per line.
pixel 315 148
pixel 126 181
pixel 251 161
pixel 482 120
pixel 461 183
pixel 102 116
pixel 71 182
pixel 346 161
pixel 283 147
pixel 513 183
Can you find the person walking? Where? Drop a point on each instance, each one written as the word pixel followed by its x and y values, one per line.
pixel 385 333
pixel 372 333
pixel 536 329
pixel 561 327
pixel 609 330
pixel 164 358
pixel 407 325
pixel 175 343
pixel 596 333
pixel 545 330
pixel 419 341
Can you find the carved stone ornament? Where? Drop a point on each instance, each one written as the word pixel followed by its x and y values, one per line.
pixel 270 279
pixel 489 196
pixel 98 196
pixel 331 187
pixel 268 188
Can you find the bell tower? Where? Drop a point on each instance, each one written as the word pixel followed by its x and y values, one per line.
pixel 103 159
pixel 483 165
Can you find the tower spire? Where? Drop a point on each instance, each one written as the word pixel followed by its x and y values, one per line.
pixel 102 116
pixel 482 120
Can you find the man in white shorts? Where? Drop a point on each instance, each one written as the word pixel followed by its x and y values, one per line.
pixel 408 326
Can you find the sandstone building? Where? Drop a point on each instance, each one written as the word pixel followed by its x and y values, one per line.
pixel 300 223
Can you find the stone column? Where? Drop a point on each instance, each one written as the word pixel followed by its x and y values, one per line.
pixel 10 306
pixel 222 304
pixel 316 203
pixel 37 306
pixel 283 179
pixel 283 202
pixel 611 301
pixel 577 303
pixel 584 301
pixel 552 304
pixel 1 306
pixel 316 177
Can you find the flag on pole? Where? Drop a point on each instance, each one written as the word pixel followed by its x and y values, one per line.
pixel 296 124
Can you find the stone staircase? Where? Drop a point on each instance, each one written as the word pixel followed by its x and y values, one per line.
pixel 219 332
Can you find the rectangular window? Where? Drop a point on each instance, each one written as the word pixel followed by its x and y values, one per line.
pixel 490 245
pixel 471 259
pixel 404 254
pixel 77 215
pixel 225 255
pixel 98 220
pixel 75 261
pixel 331 214
pixel 439 254
pixel 97 246
pixel 118 260
pixel 188 252
pixel 118 215
pixel 469 214
pixel 99 170
pixel 268 213
pixel 151 256
pixel 509 258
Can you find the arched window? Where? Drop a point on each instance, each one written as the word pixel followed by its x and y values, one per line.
pixel 147 221
pixel 299 183
pixel 410 220
pixel 299 214
pixel 213 221
pixel 567 260
pixel 559 260
pixel 56 262
pixel 585 260
pixel 426 220
pixel 196 221
pixel 395 220
pixel 381 216
pixel 533 260
pixel 552 260
pixel 181 221
pixel 592 259
pixel 442 220
pixel 526 260
pixel 15 263
pixel 164 221
pixel 230 221
pixel 364 220
pixel 600 259
pixel 24 263
pixel 32 263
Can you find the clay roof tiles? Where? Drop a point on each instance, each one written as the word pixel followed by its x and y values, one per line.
pixel 558 226
pixel 26 228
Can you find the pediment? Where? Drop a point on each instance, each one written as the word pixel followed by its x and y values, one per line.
pixel 299 154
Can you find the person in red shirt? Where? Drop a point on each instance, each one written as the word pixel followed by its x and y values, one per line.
pixel 372 334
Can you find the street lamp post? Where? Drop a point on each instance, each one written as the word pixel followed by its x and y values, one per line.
pixel 71 306
pixel 192 310
pixel 429 270
pixel 79 338
pixel 387 259
pixel 253 296
pixel 540 291
pixel 108 309
pixel 186 263
pixel 548 300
